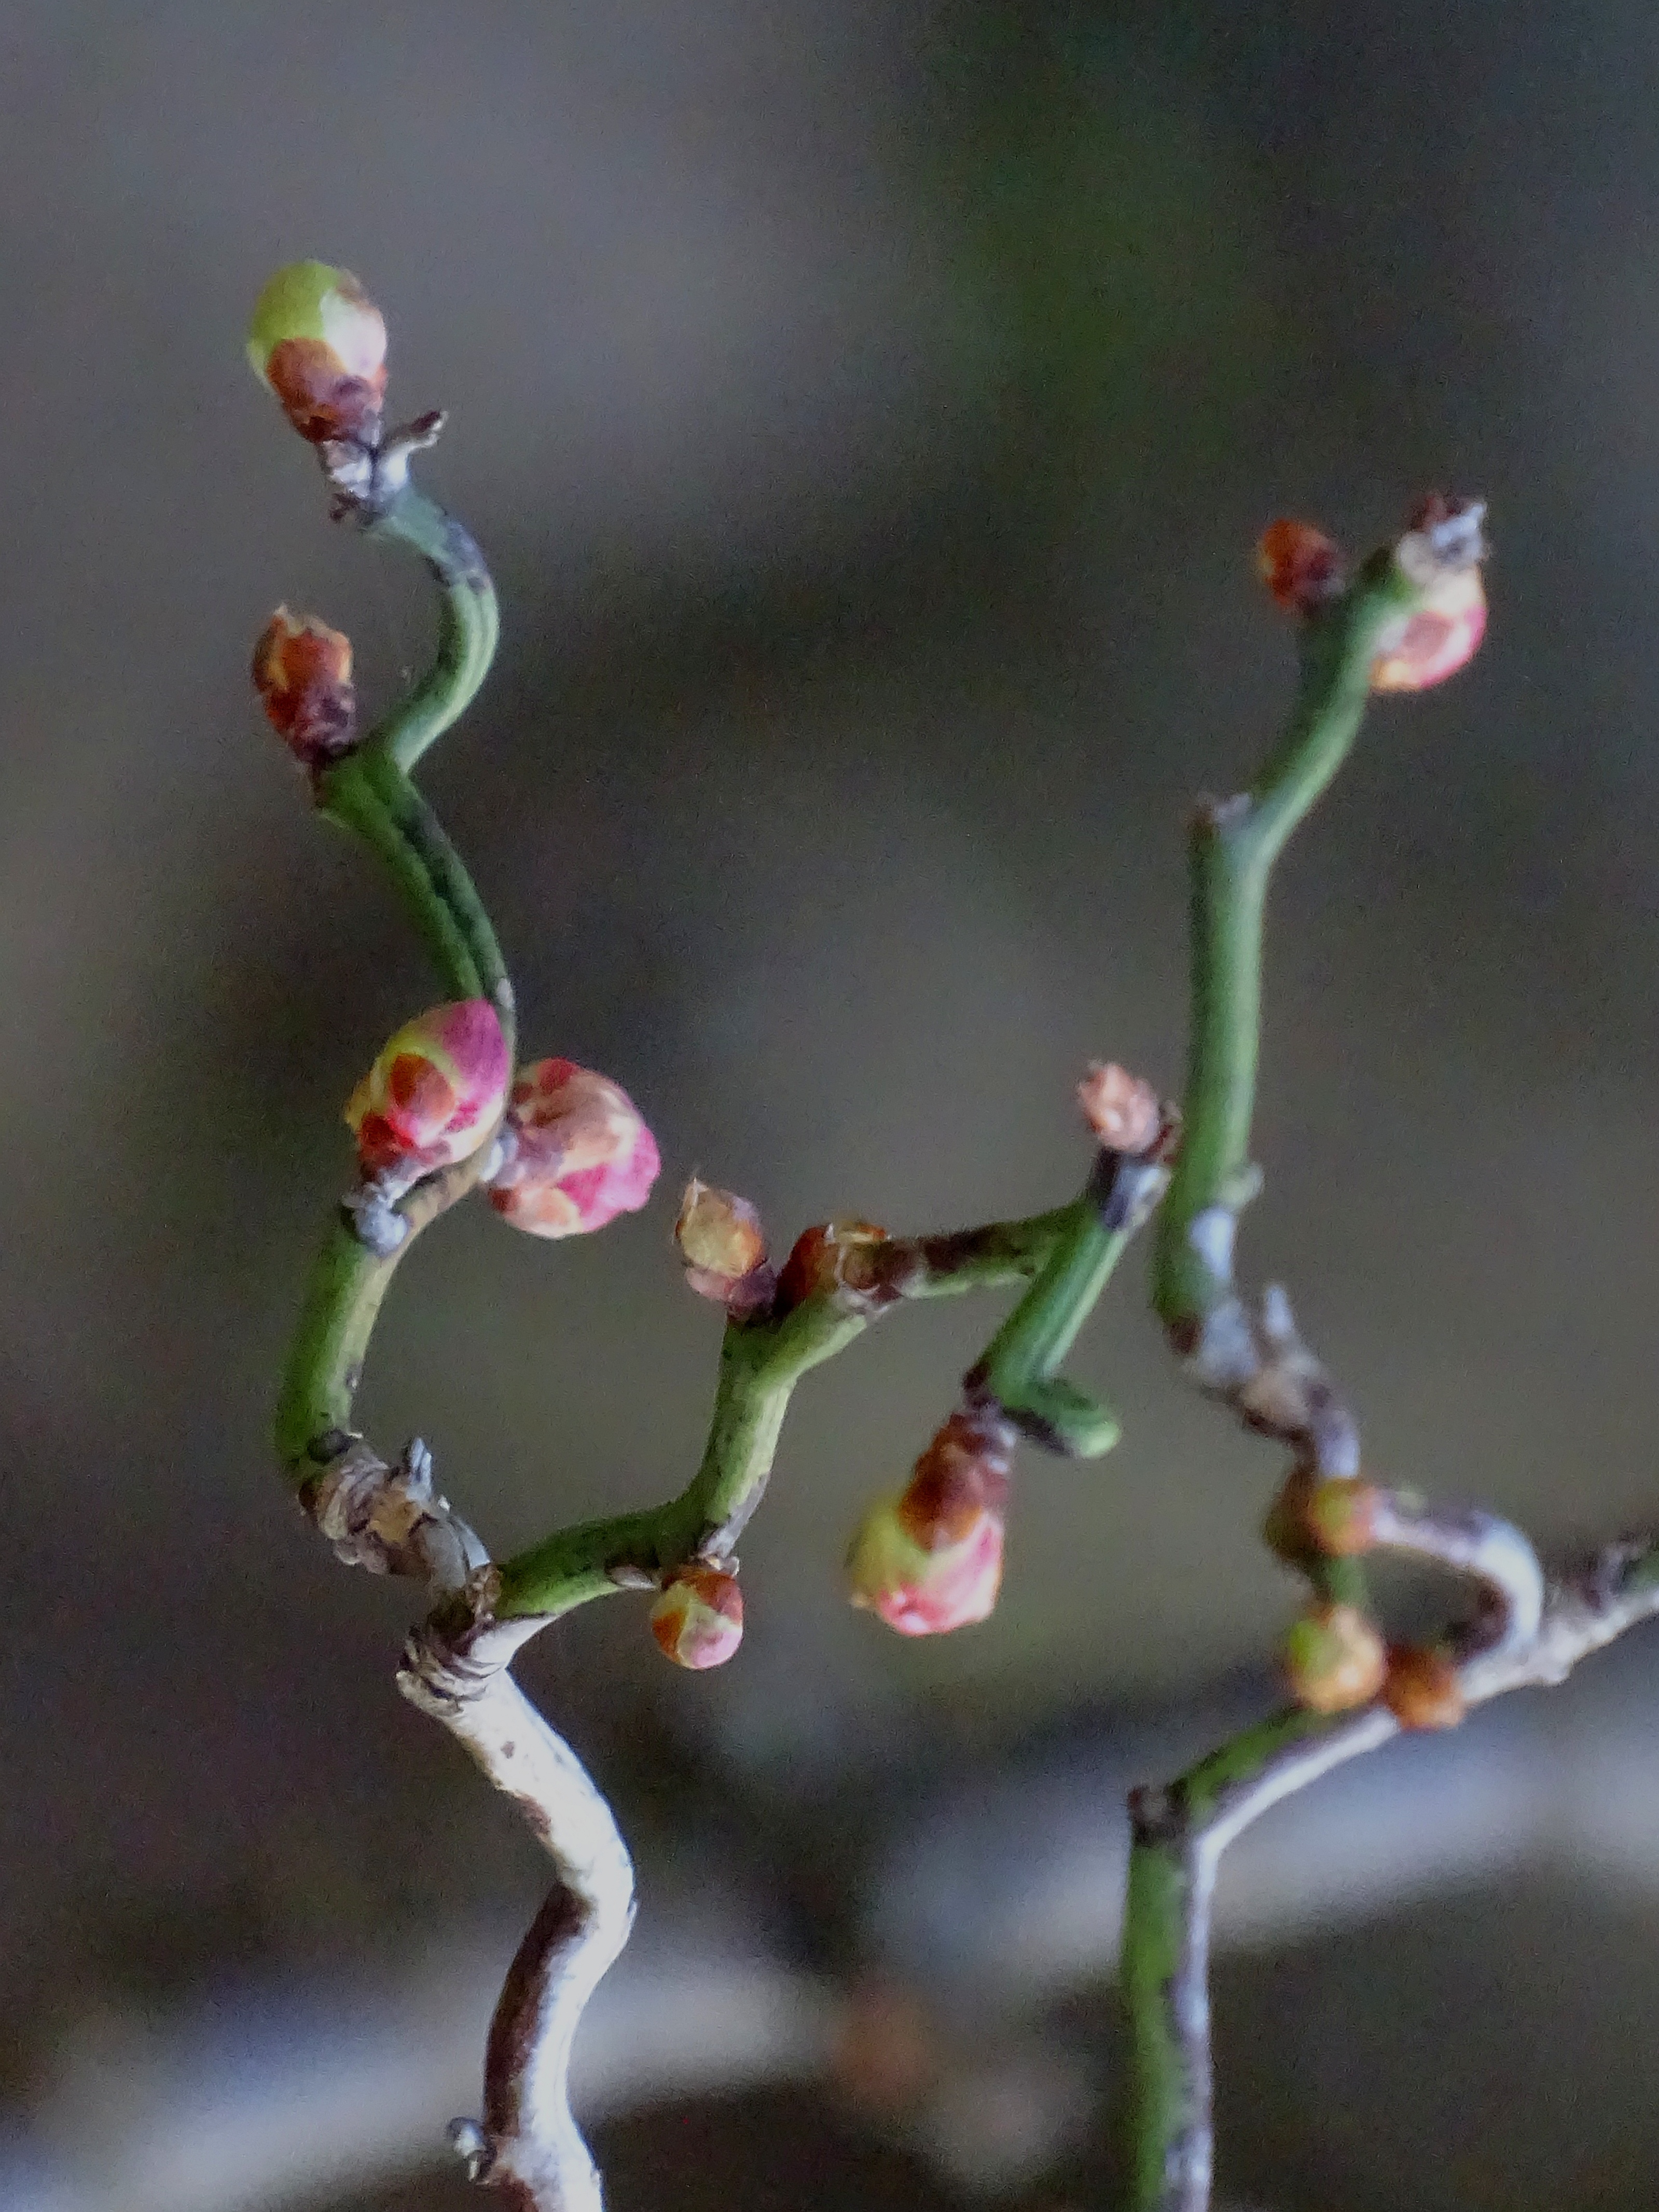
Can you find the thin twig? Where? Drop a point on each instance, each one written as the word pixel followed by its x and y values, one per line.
pixel 1524 1639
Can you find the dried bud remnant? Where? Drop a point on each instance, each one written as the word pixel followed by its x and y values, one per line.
pixel 931 1560
pixel 1334 1659
pixel 698 1620
pixel 1122 1110
pixel 1301 567
pixel 1441 555
pixel 1422 1690
pixel 434 1093
pixel 724 1247
pixel 579 1154
pixel 302 673
pixel 318 341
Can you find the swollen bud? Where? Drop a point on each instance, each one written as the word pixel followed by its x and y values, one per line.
pixel 931 1560
pixel 831 1256
pixel 302 673
pixel 1341 1517
pixel 698 1620
pixel 1301 567
pixel 1441 556
pixel 724 1247
pixel 578 1153
pixel 1423 1691
pixel 318 341
pixel 434 1093
pixel 1334 1659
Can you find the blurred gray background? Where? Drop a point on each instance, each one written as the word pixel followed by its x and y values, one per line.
pixel 869 411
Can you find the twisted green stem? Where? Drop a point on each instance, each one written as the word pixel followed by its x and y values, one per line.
pixel 1233 847
pixel 762 1360
pixel 369 792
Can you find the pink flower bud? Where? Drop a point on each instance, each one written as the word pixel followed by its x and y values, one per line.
pixel 698 1620
pixel 580 1153
pixel 931 1560
pixel 318 341
pixel 302 672
pixel 1441 554
pixel 434 1093
pixel 1122 1109
pixel 1300 566
pixel 724 1247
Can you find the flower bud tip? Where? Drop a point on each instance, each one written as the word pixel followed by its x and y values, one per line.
pixel 931 1560
pixel 435 1092
pixel 698 1618
pixel 318 340
pixel 580 1153
pixel 302 673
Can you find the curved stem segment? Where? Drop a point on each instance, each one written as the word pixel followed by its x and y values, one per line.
pixel 762 1360
pixel 369 792
pixel 1234 844
pixel 470 629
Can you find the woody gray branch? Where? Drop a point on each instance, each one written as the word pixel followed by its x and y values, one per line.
pixel 394 1520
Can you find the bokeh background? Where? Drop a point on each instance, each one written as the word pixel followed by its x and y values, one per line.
pixel 868 409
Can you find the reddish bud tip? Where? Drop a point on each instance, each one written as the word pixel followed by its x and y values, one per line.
pixel 724 1247
pixel 1301 567
pixel 832 1256
pixel 1441 555
pixel 1422 1690
pixel 931 1560
pixel 318 341
pixel 1341 1517
pixel 1334 1659
pixel 302 673
pixel 698 1620
pixel 434 1093
pixel 1123 1112
pixel 580 1153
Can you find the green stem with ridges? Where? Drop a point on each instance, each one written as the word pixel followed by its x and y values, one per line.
pixel 1234 846
pixel 470 625
pixel 368 792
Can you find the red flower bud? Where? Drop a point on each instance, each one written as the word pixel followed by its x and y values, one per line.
pixel 698 1620
pixel 931 1560
pixel 580 1153
pixel 829 1258
pixel 1334 1659
pixel 1300 566
pixel 724 1247
pixel 1441 554
pixel 302 673
pixel 1422 1690
pixel 434 1093
pixel 318 341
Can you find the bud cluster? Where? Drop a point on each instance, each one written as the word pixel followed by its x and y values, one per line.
pixel 930 1559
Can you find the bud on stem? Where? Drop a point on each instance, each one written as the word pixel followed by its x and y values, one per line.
pixel 931 1560
pixel 318 340
pixel 578 1153
pixel 302 673
pixel 723 1248
pixel 698 1620
pixel 434 1093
